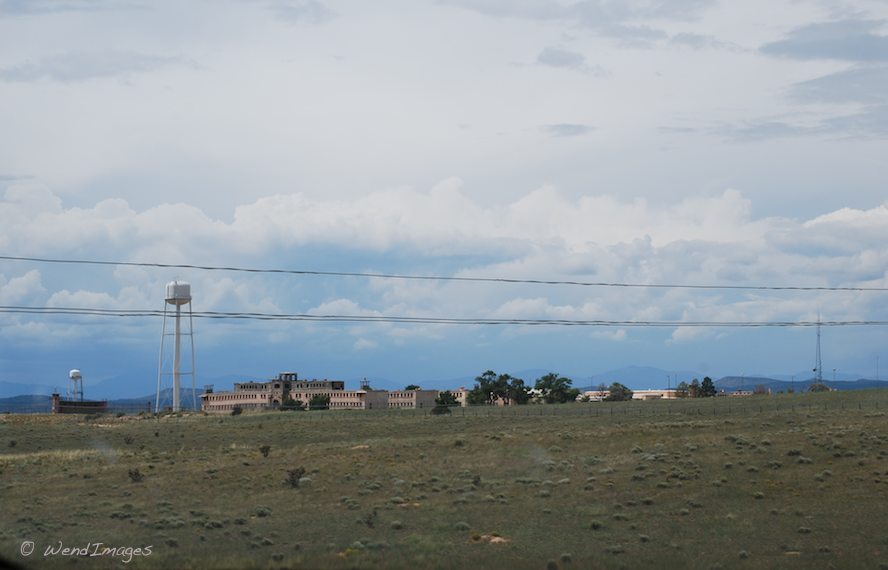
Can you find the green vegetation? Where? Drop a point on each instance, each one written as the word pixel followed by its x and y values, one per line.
pixel 556 389
pixel 490 387
pixel 319 402
pixel 780 481
pixel 444 403
pixel 618 393
pixel 291 405
pixel 707 388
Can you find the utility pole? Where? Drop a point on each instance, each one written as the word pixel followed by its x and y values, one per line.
pixel 818 372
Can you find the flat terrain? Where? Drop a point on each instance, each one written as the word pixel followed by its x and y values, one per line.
pixel 784 481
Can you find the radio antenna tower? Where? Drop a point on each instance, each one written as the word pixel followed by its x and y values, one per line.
pixel 818 371
pixel 178 294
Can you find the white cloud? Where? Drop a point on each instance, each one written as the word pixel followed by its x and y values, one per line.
pixel 364 344
pixel 18 289
pixel 618 335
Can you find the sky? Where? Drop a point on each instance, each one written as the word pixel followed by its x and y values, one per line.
pixel 695 142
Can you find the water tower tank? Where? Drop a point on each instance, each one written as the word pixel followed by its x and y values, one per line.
pixel 74 374
pixel 178 293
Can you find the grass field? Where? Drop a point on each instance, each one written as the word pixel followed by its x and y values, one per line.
pixel 788 481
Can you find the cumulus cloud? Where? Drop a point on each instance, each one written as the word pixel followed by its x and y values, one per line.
pixel 600 238
pixel 18 289
pixel 84 66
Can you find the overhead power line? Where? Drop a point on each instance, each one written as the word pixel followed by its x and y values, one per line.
pixel 131 313
pixel 440 277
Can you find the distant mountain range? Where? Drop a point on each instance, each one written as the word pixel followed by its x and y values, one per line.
pixel 734 383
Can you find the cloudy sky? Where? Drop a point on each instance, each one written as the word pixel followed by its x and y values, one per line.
pixel 638 141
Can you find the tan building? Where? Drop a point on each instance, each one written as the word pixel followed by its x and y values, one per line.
pixel 461 395
pixel 600 395
pixel 412 399
pixel 654 394
pixel 271 394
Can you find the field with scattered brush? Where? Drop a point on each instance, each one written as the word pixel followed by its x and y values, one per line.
pixel 784 481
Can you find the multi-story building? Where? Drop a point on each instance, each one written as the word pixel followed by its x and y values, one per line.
pixel 412 399
pixel 287 386
pixel 461 395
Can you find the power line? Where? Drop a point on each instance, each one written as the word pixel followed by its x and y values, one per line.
pixel 333 318
pixel 439 277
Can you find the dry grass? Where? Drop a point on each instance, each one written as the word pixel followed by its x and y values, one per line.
pixel 637 485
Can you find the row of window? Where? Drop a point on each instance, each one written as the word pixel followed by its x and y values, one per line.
pixel 235 396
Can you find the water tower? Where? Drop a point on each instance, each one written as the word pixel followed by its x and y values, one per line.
pixel 178 295
pixel 75 391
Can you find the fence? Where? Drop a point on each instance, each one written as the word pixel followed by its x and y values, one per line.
pixel 862 401
pixel 73 408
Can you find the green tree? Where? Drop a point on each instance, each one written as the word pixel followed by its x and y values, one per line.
pixel 490 387
pixel 411 387
pixel 319 402
pixel 819 387
pixel 618 393
pixel 444 402
pixel 556 389
pixel 292 405
pixel 681 391
pixel 517 392
pixel 484 388
pixel 476 396
pixel 707 388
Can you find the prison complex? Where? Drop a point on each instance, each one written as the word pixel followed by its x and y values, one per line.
pixel 288 387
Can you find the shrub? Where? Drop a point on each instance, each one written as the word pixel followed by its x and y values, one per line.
pixel 135 475
pixel 294 476
pixel 264 450
pixel 236 411
pixel 292 405
pixel 443 403
pixel 319 402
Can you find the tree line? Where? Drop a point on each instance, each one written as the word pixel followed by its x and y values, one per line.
pixel 696 389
